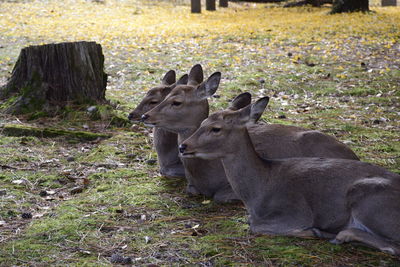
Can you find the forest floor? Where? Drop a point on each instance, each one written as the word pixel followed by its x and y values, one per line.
pixel 102 202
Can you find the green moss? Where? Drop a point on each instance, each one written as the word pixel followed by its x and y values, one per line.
pixel 100 154
pixel 23 250
pixel 360 91
pixel 37 115
pixel 107 113
pixel 120 121
pixel 21 130
pixel 34 104
pixel 350 128
pixel 9 154
pixel 9 102
pixel 103 112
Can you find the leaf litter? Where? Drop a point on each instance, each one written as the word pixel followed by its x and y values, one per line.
pixel 102 202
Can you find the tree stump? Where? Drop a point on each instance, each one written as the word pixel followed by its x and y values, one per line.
pixel 55 75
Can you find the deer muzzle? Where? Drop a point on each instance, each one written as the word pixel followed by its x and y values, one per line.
pixel 144 117
pixel 182 148
pixel 145 120
pixel 185 153
pixel 134 116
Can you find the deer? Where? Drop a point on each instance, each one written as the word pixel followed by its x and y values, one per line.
pixel 165 142
pixel 339 199
pixel 185 107
pixel 197 172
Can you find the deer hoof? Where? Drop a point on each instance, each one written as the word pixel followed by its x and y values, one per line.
pixel 388 250
pixel 316 232
pixel 335 241
pixel 192 191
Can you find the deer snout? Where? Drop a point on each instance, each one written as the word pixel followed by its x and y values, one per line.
pixel 131 116
pixel 182 148
pixel 186 152
pixel 144 117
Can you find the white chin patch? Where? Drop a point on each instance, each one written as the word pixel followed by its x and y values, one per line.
pixel 205 156
pixel 188 156
pixel 149 124
pixel 198 155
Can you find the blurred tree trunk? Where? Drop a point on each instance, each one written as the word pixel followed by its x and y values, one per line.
pixel 54 75
pixel 340 6
pixel 195 6
pixel 210 5
pixel 223 3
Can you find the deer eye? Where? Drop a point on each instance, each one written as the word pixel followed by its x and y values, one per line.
pixel 215 130
pixel 153 102
pixel 176 103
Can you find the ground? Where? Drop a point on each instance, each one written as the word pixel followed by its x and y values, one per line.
pixel 72 202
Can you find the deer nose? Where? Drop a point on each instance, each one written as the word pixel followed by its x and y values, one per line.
pixel 130 116
pixel 144 117
pixel 182 148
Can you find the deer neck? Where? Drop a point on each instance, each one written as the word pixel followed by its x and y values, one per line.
pixel 185 133
pixel 245 170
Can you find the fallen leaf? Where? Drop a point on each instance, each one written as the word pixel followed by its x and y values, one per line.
pixel 18 182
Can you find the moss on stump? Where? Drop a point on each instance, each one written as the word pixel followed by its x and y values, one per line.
pixel 22 130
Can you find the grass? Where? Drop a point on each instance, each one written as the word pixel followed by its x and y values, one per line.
pixel 92 199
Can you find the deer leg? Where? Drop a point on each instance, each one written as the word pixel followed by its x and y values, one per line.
pixel 310 232
pixel 191 190
pixel 283 219
pixel 357 235
pixel 301 233
pixel 322 234
pixel 226 196
pixel 280 229
pixel 173 171
pixel 171 168
pixel 304 233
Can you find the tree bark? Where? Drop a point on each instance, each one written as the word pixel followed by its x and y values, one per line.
pixel 195 6
pixel 223 3
pixel 210 5
pixel 341 6
pixel 54 75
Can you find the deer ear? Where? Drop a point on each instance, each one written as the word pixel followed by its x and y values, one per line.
pixel 239 117
pixel 240 101
pixel 258 108
pixel 196 75
pixel 244 114
pixel 182 80
pixel 209 87
pixel 169 78
pixel 166 90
